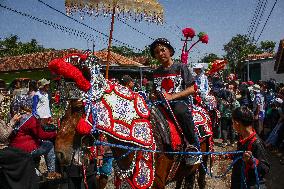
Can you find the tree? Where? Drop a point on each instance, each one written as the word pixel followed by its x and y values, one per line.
pixel 267 46
pixel 127 52
pixel 11 46
pixel 237 50
pixel 124 51
pixel 209 58
pixel 240 47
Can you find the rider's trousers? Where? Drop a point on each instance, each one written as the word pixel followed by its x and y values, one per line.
pixel 184 118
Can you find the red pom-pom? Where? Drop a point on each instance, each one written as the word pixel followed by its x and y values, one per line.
pixel 83 127
pixel 188 32
pixel 203 37
pixel 67 70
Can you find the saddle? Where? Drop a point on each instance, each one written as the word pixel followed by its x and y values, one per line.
pixel 173 137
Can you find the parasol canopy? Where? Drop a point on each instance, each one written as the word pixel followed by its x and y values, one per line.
pixel 138 10
pixel 149 10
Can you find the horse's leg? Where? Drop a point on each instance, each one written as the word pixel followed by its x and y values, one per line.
pixel 179 183
pixel 162 169
pixel 202 174
pixel 189 181
pixel 102 181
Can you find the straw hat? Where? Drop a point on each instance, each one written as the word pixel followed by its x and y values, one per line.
pixel 43 82
pixel 256 88
pixel 279 100
pixel 198 66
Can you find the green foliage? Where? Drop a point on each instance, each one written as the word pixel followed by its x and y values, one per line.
pixel 237 49
pixel 124 51
pixel 267 46
pixel 11 46
pixel 209 58
pixel 127 52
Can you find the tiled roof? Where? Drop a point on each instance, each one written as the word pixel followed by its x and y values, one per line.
pixel 141 59
pixel 38 60
pixel 116 59
pixel 259 56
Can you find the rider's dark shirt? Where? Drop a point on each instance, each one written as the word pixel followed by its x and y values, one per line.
pixel 173 79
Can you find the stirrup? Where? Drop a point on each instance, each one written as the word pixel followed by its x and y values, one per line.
pixel 192 159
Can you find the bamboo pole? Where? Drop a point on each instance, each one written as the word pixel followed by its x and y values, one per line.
pixel 110 40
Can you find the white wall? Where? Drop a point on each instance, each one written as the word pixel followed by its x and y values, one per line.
pixel 267 71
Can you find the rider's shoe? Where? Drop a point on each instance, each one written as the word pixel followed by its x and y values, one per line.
pixel 192 159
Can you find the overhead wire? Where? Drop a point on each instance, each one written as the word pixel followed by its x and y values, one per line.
pixel 174 31
pixel 133 28
pixel 253 20
pixel 266 20
pixel 78 33
pixel 259 19
pixel 82 23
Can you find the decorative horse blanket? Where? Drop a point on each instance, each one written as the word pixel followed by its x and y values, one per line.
pixel 124 115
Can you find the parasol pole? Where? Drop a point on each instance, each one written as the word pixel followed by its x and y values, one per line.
pixel 110 39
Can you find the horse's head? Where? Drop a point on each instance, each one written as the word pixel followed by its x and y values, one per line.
pixel 89 80
pixel 67 140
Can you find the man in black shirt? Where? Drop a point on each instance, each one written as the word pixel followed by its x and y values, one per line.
pixel 176 82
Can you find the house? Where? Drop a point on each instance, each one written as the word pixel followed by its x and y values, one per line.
pixel 261 67
pixel 35 66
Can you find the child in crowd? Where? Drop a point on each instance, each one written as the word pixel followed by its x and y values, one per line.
pixel 243 174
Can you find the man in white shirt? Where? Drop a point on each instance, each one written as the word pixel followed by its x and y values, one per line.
pixel 41 108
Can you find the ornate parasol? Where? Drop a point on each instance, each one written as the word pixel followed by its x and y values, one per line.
pixel 148 10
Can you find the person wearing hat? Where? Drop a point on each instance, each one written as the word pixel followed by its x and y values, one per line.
pixel 201 80
pixel 258 109
pixel 127 81
pixel 30 137
pixel 41 108
pixel 176 82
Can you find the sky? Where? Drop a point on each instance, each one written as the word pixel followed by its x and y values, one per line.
pixel 220 19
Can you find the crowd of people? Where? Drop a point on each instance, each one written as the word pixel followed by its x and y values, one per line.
pixel 30 112
pixel 249 113
pixel 264 99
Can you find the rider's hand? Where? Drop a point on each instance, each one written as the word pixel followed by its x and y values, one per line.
pixel 16 117
pixel 99 161
pixel 168 96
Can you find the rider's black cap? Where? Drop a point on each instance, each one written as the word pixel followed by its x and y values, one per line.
pixel 162 41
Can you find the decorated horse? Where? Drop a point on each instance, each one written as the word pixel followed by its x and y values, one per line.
pixel 139 135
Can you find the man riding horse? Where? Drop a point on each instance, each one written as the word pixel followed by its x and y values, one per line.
pixel 176 83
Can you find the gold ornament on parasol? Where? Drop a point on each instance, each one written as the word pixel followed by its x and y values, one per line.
pixel 148 10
